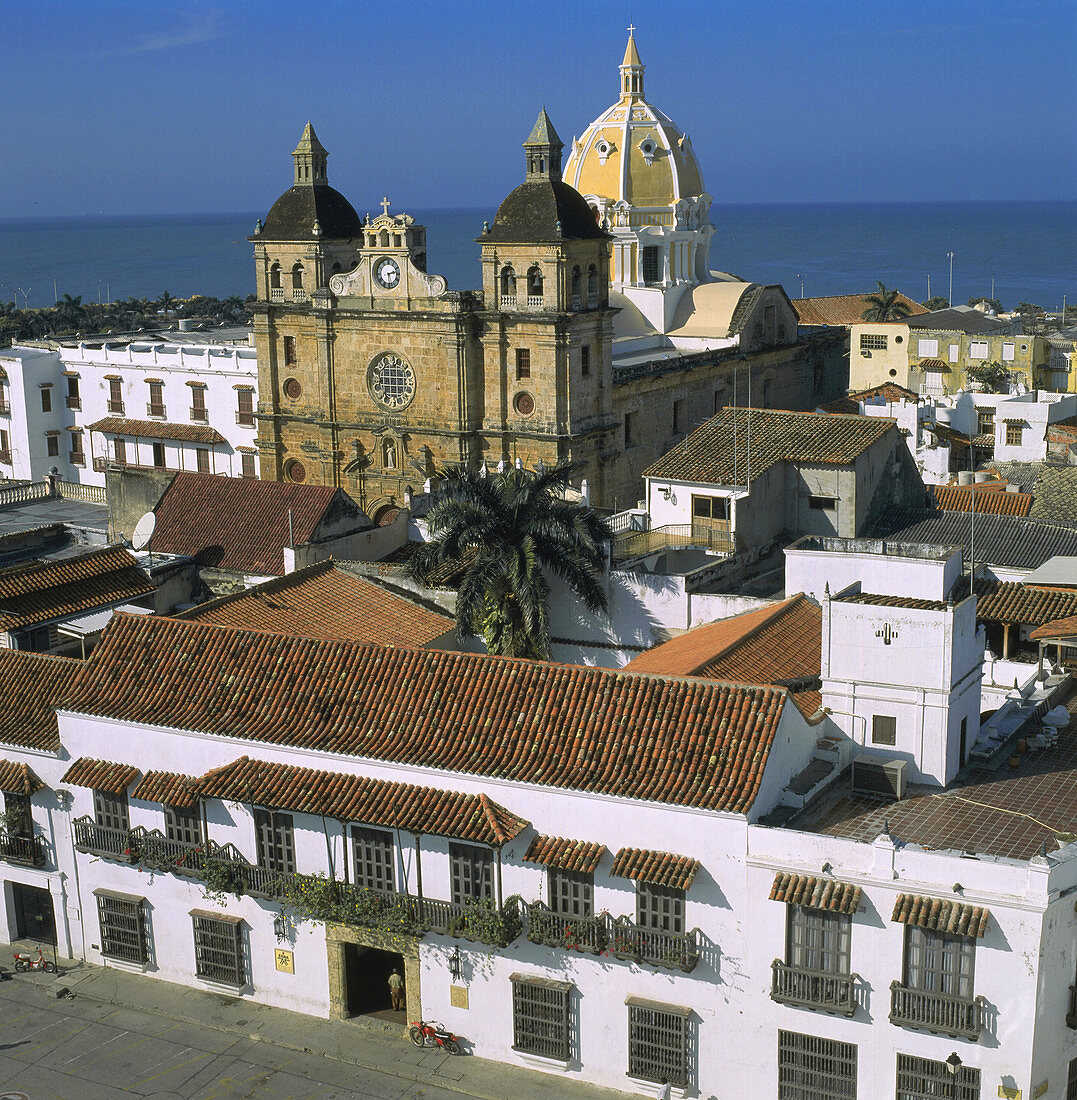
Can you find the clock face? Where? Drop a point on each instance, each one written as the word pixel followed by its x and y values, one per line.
pixel 387 273
pixel 391 381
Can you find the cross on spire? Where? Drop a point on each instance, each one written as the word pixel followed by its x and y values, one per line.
pixel 385 206
pixel 631 28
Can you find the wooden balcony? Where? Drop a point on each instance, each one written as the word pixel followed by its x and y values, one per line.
pixel 552 929
pixel 670 950
pixel 961 1017
pixel 28 851
pixel 115 407
pixel 635 544
pixel 199 414
pixel 803 988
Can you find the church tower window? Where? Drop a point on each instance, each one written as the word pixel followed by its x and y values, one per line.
pixel 508 286
pixel 290 356
pixel 592 285
pixel 576 300
pixel 297 276
pixel 534 285
pixel 274 276
pixel 523 363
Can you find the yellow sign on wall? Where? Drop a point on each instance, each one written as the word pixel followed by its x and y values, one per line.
pixel 1041 1090
pixel 458 996
pixel 285 961
pixel 1009 1092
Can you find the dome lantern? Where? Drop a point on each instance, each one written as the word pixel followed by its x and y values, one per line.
pixel 631 69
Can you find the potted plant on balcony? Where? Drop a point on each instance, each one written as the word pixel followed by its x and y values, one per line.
pixel 220 878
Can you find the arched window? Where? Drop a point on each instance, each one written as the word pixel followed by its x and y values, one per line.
pixel 576 302
pixel 508 285
pixel 592 285
pixel 297 277
pixel 388 455
pixel 274 276
pixel 383 238
pixel 534 285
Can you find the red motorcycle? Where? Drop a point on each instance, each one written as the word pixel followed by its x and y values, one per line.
pixel 428 1034
pixel 25 961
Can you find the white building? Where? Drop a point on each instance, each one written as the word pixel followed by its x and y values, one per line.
pixel 1015 425
pixel 180 404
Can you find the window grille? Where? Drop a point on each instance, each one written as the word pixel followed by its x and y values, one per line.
pixel 110 810
pixel 471 872
pixel 572 893
pixel 883 729
pixel 183 824
pixel 811 1068
pixel 123 928
pixel 523 363
pixel 540 1022
pixel 660 908
pixel 374 859
pixel 818 940
pixel 939 962
pixel 17 810
pixel 276 841
pixel 925 1079
pixel 218 949
pixel 652 264
pixel 290 355
pixel 872 341
pixel 585 361
pixel 658 1045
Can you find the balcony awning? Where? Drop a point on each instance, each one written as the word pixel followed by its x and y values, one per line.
pixel 815 893
pixel 568 855
pixel 100 775
pixel 170 788
pixel 17 778
pixel 157 429
pixel 940 915
pixel 656 868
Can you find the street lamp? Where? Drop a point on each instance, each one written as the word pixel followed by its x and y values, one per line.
pixel 951 255
pixel 25 297
pixel 953 1067
pixel 801 278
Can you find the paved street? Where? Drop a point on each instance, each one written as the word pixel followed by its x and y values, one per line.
pixel 78 1048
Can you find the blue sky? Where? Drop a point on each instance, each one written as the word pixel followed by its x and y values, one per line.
pixel 134 106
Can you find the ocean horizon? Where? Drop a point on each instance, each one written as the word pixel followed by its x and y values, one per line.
pixel 1024 249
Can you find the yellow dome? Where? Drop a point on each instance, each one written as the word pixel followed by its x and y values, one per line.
pixel 632 152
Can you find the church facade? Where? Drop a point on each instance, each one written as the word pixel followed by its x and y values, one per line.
pixel 585 343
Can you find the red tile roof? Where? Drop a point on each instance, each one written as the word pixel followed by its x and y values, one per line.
pixel 950 498
pixel 18 778
pixel 940 915
pixel 657 868
pixel 157 429
pixel 242 523
pixel 48 590
pixel 775 643
pixel 843 309
pixel 33 686
pixel 717 452
pixel 690 742
pixel 323 601
pixel 422 810
pixel 1013 602
pixel 935 365
pixel 815 893
pixel 1057 628
pixel 101 775
pixel 890 392
pixel 568 855
pixel 170 788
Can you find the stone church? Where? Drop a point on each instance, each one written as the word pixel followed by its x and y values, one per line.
pixel 599 334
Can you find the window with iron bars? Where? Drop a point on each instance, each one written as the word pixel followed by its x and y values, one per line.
pixel 660 908
pixel 872 341
pixel 925 1079
pixel 572 893
pixel 218 949
pixel 811 1068
pixel 471 873
pixel 540 1017
pixel 110 810
pixel 658 1044
pixel 183 824
pixel 123 927
pixel 374 858
pixel 276 841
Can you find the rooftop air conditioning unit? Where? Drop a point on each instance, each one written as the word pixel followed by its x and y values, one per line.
pixel 878 776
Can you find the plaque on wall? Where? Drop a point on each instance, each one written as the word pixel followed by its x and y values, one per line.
pixel 458 996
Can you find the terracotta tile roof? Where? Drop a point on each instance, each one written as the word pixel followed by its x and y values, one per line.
pixel 657 868
pixel 940 915
pixel 424 810
pixel 101 775
pixel 958 440
pixel 937 366
pixel 888 392
pixel 815 893
pixel 170 788
pixel 18 778
pixel 950 498
pixel 569 855
pixel 33 685
pixel 842 309
pixel 878 600
pixel 324 601
pixel 689 742
pixel 158 429
pixel 1064 431
pixel 772 644
pixel 1013 602
pixel 1057 628
pixel 48 590
pixel 242 523
pixel 807 702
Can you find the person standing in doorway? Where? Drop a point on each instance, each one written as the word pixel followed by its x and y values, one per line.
pixel 396 990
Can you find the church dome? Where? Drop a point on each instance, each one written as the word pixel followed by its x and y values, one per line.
pixel 632 152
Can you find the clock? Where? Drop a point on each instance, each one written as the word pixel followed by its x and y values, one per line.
pixel 386 273
pixel 391 381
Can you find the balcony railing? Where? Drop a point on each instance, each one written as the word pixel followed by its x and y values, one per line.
pixel 115 407
pixel 5 456
pixel 276 294
pixel 796 985
pixel 245 419
pixel 673 950
pixel 73 401
pixel 77 458
pixel 535 301
pixel 635 544
pixel 961 1017
pixel 27 850
pixel 201 414
pixel 1071 1016
pixel 155 410
pixel 508 301
pixel 572 933
pixel 299 294
pixel 5 408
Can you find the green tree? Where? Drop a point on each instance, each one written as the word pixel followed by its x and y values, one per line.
pixel 993 376
pixel 503 530
pixel 165 303
pixel 70 312
pixel 1033 319
pixel 885 305
pixel 935 302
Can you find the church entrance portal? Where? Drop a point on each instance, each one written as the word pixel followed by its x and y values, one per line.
pixel 366 981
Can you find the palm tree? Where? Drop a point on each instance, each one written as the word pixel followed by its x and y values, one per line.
pixel 165 303
pixel 503 531
pixel 885 305
pixel 70 312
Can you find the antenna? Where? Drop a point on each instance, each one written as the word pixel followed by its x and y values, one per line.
pixel 140 539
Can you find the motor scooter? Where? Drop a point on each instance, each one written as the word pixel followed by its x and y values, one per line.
pixel 26 961
pixel 425 1033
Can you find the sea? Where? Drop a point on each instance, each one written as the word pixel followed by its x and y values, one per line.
pixel 1016 252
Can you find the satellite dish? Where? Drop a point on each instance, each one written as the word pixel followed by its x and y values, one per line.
pixel 144 531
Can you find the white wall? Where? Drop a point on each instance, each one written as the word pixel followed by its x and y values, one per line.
pixel 29 370
pixel 811 565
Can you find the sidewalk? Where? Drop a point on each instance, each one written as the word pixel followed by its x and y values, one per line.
pixel 343 1041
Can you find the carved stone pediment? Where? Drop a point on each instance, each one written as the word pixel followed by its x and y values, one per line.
pixel 352 284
